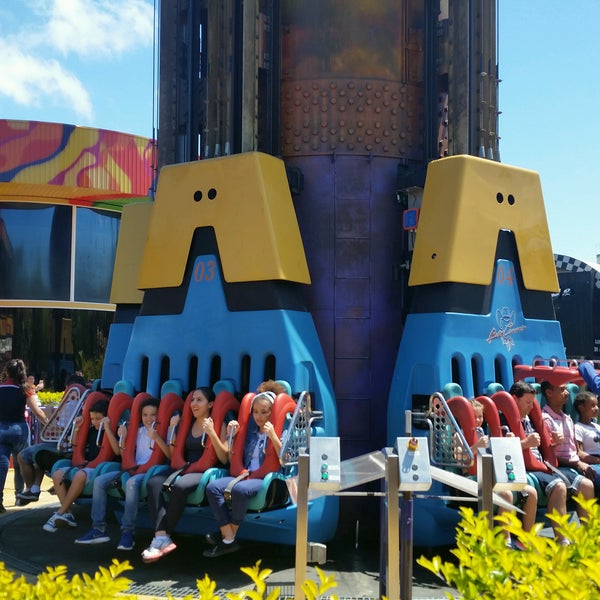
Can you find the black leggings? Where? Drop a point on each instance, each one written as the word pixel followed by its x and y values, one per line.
pixel 166 514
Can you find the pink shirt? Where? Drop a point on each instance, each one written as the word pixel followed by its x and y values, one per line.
pixel 567 451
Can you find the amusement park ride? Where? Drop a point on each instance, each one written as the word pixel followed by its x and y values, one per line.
pixel 308 246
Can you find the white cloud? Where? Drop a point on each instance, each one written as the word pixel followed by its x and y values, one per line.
pixel 29 81
pixel 37 37
pixel 99 28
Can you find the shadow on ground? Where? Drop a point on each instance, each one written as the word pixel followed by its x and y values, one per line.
pixel 27 549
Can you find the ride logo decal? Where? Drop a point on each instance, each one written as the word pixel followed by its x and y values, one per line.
pixel 507 327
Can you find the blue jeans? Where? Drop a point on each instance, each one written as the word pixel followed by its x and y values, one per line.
pixel 102 483
pixel 28 453
pixel 240 494
pixel 13 437
pixel 19 482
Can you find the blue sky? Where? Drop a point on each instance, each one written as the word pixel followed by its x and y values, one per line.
pixel 82 62
pixel 89 62
pixel 549 95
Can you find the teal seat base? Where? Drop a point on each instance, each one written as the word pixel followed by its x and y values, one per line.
pixel 273 526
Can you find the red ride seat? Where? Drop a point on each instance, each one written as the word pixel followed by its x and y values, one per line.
pixel 224 402
pixel 105 461
pixel 462 410
pixel 168 405
pixel 507 405
pixel 463 413
pixel 556 375
pixel 273 492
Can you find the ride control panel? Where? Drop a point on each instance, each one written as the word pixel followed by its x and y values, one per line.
pixel 509 467
pixel 413 464
pixel 325 463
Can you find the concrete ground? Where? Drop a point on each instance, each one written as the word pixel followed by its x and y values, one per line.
pixel 26 549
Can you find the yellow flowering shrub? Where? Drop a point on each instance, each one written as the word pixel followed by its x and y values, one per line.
pixel 487 569
pixel 54 583
pixel 47 398
pixel 109 583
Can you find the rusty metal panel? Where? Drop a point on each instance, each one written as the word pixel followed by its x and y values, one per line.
pixel 352 78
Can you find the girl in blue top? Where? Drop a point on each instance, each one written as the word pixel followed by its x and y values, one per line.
pixel 255 449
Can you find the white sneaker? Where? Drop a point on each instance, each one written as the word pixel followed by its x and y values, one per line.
pixel 50 526
pixel 158 548
pixel 63 521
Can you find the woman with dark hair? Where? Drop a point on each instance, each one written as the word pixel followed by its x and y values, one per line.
pixel 15 395
pixel 166 514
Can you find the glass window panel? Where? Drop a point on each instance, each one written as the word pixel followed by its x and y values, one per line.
pixel 35 251
pixel 95 249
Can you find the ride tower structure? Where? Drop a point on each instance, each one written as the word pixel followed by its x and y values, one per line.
pixel 482 282
pixel 357 99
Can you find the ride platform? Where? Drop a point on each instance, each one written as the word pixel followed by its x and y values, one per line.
pixel 26 549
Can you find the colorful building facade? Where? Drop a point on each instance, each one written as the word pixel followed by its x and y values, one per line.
pixel 62 188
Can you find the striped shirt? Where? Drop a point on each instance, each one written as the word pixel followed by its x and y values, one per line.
pixel 567 451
